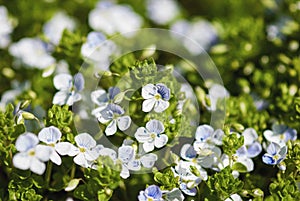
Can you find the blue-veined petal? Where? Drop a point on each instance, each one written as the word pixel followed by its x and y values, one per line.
pixel 203 132
pixel 124 122
pixel 85 140
pixel 268 159
pixel 49 135
pixel 111 128
pixel 148 104
pixel 161 140
pixel 63 81
pixel 125 153
pixel 149 91
pixel 155 126
pixel 161 105
pixel 26 141
pixel 79 81
pixel 164 91
pixel 142 135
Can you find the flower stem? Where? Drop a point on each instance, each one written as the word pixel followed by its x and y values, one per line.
pixel 48 173
pixel 73 170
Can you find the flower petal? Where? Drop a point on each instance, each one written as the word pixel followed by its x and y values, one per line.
pixel 188 152
pixel 273 148
pixel 154 192
pixel 113 91
pixel 124 172
pixel 155 126
pixel 148 105
pixel 142 135
pixel 111 129
pixel 161 141
pixel 134 165
pixel 149 91
pixel 268 159
pixel 61 98
pixel 80 160
pixel 49 135
pixel 126 153
pixel 250 136
pixel 164 91
pixel 85 140
pixel 37 166
pixel 99 97
pixel 148 146
pixel 148 160
pixel 63 81
pixel 66 148
pixel 187 191
pixel 254 150
pixel 79 81
pixel 43 152
pixel 22 161
pixel 124 122
pixel 203 132
pixel 108 152
pixel 91 155
pixel 26 141
pixel 55 158
pixel 161 105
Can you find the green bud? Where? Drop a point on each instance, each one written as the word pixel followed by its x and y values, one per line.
pixel 25 104
pixel 28 115
pixel 257 192
pixel 72 184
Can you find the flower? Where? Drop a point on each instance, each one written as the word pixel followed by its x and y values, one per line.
pixel 275 154
pixel 190 175
pixel 97 49
pixel 280 134
pixel 112 114
pixel 152 136
pixel 111 18
pixel 206 133
pixel 54 28
pixel 199 35
pixel 173 195
pixel 102 99
pixel 68 87
pixel 156 96
pixel 152 193
pixel 31 155
pixel 162 12
pixel 51 135
pixel 32 52
pixel 6 27
pixel 251 147
pixel 234 197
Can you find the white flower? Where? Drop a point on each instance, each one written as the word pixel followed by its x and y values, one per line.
pixel 275 154
pixel 102 99
pixel 98 50
pixel 31 155
pixel 199 35
pixel 85 152
pixel 156 96
pixel 152 136
pixel 68 87
pixel 6 27
pixel 111 18
pixel 251 147
pixel 216 92
pixel 163 11
pixel 32 52
pixel 206 133
pixel 112 114
pixel 54 28
pixel 51 135
pixel 280 134
pixel 234 197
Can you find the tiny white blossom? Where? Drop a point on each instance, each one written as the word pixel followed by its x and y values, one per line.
pixel 32 52
pixel 6 27
pixel 31 155
pixel 54 28
pixel 163 11
pixel 157 97
pixel 68 87
pixel 152 136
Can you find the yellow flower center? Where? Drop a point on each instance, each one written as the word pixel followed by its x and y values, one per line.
pixel 157 96
pixel 149 199
pixel 81 149
pixel 153 135
pixel 31 153
pixel 281 137
pixel 276 157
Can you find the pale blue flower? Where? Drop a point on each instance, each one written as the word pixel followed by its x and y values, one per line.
pixel 152 136
pixel 162 12
pixel 188 180
pixel 98 50
pixel 112 18
pixel 6 27
pixel 251 147
pixel 206 133
pixel 32 52
pixel 31 155
pixel 275 154
pixel 69 88
pixel 113 115
pixel 157 97
pixel 152 193
pixel 102 99
pixel 280 134
pixel 54 28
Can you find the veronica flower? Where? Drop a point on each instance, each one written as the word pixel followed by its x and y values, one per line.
pixel 206 133
pixel 111 18
pixel 251 147
pixel 6 27
pixel 98 49
pixel 31 155
pixel 162 12
pixel 152 193
pixel 156 96
pixel 54 28
pixel 280 134
pixel 188 179
pixel 173 195
pixel 51 135
pixel 68 87
pixel 102 99
pixel 113 115
pixel 32 52
pixel 275 154
pixel 234 197
pixel 208 155
pixel 152 136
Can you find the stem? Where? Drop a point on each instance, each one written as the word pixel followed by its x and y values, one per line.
pixel 123 189
pixel 73 170
pixel 48 173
